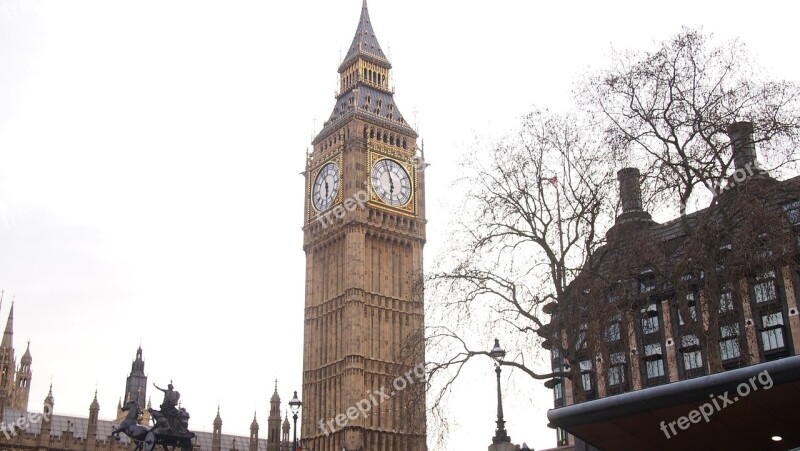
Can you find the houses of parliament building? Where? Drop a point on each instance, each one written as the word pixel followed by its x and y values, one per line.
pixel 28 429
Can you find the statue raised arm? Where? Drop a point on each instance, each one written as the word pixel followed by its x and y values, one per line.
pixel 171 398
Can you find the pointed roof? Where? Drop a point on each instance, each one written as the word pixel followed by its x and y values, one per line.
pixel 49 399
pixel 286 422
pixel 9 333
pixel 26 358
pixel 95 405
pixel 254 424
pixel 218 419
pixel 365 43
pixel 275 396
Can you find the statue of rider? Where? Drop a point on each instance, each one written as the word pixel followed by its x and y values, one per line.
pixel 169 409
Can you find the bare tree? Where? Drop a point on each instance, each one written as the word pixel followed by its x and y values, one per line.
pixel 691 115
pixel 668 111
pixel 536 237
pixel 535 213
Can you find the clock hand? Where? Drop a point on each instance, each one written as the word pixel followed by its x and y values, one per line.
pixel 389 173
pixel 326 188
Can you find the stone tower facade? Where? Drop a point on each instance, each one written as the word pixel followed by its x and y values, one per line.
pixel 254 434
pixel 15 381
pixel 136 384
pixel 364 232
pixel 274 422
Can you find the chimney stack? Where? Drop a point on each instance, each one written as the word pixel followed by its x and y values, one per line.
pixel 744 150
pixel 630 192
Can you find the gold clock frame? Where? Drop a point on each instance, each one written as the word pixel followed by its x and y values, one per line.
pixel 378 152
pixel 313 213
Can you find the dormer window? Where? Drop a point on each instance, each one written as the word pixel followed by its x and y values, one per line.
pixel 792 210
pixel 647 281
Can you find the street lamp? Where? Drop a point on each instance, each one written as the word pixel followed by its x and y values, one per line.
pixel 500 434
pixel 295 404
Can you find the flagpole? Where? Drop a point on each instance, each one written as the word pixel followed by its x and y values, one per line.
pixel 561 271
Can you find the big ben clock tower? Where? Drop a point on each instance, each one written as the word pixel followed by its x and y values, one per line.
pixel 363 235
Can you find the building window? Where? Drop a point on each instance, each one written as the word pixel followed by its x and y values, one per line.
pixel 558 391
pixel 563 437
pixel 772 331
pixel 650 319
pixel 586 374
pixel 792 210
pixel 647 281
pixel 729 342
pixel 616 372
pixel 726 301
pixel 614 330
pixel 581 343
pixel 691 307
pixel 654 360
pixel 765 288
pixel 690 348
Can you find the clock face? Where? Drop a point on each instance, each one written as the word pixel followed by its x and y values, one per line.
pixel 391 182
pixel 326 186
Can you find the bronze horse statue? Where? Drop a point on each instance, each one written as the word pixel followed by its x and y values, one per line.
pixel 130 426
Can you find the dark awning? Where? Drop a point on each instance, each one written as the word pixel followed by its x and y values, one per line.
pixel 747 420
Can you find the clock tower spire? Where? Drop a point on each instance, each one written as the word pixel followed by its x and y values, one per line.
pixel 363 236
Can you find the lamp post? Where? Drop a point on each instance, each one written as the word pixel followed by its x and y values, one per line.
pixel 500 434
pixel 295 404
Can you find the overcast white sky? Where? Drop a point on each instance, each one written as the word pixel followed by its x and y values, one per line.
pixel 150 154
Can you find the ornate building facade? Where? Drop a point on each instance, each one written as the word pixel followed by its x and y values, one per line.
pixel 25 429
pixel 364 232
pixel 15 381
pixel 681 310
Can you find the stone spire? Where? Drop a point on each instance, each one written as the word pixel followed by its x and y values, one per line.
pixel 26 358
pixel 274 421
pixel 22 381
pixel 254 434
pixel 9 332
pixel 44 434
pixel 136 383
pixel 91 430
pixel 216 438
pixel 286 428
pixel 365 43
pixel 365 88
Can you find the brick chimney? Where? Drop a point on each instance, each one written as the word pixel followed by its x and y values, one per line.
pixel 630 192
pixel 633 215
pixel 744 150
